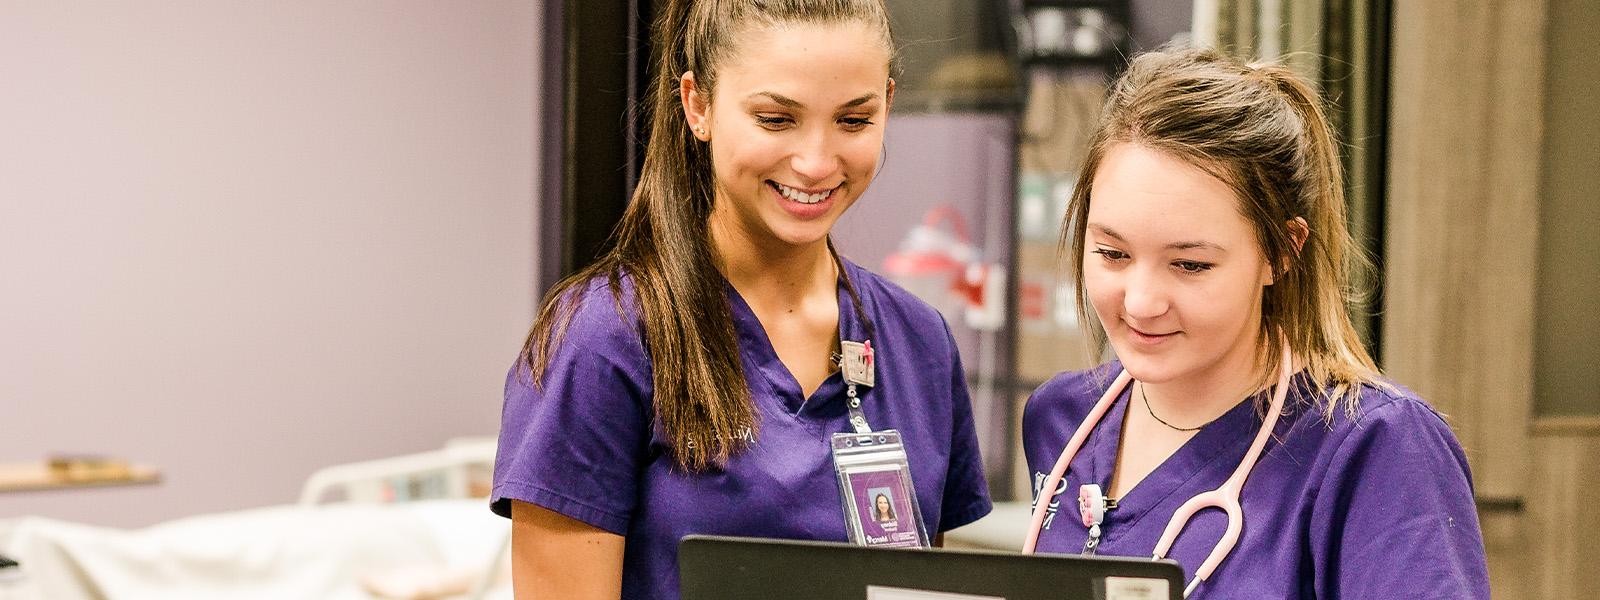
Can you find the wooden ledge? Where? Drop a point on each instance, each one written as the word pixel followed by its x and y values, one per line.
pixel 1578 426
pixel 30 477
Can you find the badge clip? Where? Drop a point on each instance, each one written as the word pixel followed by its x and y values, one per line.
pixel 858 362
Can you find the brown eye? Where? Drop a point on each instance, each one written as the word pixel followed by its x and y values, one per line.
pixel 774 123
pixel 855 123
pixel 1111 255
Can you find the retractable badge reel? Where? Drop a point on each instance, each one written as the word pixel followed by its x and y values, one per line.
pixel 875 490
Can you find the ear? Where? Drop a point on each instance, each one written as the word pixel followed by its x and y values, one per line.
pixel 888 97
pixel 695 105
pixel 1299 231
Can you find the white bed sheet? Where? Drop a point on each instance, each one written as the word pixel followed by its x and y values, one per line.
pixel 277 553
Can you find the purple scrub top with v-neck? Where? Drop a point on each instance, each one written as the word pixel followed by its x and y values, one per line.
pixel 1378 505
pixel 585 444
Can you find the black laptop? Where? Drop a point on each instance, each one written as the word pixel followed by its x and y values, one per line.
pixel 730 568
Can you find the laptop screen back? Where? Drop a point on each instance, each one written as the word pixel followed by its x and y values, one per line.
pixel 729 568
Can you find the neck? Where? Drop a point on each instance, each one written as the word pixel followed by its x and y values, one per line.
pixel 766 271
pixel 1192 401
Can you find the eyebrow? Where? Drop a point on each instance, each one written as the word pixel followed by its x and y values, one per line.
pixel 1184 245
pixel 791 103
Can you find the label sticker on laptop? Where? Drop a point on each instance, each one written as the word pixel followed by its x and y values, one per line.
pixel 1136 588
pixel 878 592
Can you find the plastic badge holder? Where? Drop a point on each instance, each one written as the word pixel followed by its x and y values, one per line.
pixel 875 490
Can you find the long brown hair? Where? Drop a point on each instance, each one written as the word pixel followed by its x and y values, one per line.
pixel 1261 130
pixel 663 244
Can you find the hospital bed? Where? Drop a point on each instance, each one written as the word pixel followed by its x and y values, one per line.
pixel 413 526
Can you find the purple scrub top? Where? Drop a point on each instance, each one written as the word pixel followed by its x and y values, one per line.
pixel 1375 506
pixel 585 446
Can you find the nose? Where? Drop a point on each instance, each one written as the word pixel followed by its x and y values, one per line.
pixel 1144 295
pixel 816 160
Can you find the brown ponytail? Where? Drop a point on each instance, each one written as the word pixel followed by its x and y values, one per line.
pixel 701 399
pixel 1337 349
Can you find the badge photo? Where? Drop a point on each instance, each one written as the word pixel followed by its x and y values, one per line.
pixel 882 512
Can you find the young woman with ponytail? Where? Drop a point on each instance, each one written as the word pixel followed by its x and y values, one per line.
pixel 1207 236
pixel 687 382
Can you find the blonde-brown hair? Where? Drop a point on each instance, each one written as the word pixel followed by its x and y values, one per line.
pixel 1261 130
pixel 701 399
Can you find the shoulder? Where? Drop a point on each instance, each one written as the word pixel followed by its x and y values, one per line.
pixel 888 302
pixel 1069 395
pixel 1385 405
pixel 604 308
pixel 1391 481
pixel 1076 386
pixel 574 439
pixel 913 334
pixel 599 319
pixel 1390 428
pixel 596 324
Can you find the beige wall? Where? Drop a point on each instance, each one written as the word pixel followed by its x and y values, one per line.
pixel 241 240
pixel 1568 335
pixel 1487 259
pixel 1564 517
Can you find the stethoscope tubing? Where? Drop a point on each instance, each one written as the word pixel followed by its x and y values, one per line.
pixel 1047 492
pixel 1225 497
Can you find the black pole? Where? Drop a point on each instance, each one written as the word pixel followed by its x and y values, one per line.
pixel 596 57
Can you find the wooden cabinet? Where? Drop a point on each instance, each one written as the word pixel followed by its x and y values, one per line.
pixel 1467 119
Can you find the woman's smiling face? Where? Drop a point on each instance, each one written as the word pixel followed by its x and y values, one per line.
pixel 796 124
pixel 1173 270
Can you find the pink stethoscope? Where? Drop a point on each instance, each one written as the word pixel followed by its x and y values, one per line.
pixel 1225 497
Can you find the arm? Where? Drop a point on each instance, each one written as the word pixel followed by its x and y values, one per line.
pixel 966 493
pixel 570 456
pixel 555 556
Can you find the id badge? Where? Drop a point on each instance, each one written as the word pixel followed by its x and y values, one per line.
pixel 880 504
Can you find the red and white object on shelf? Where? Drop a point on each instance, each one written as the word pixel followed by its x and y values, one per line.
pixel 938 262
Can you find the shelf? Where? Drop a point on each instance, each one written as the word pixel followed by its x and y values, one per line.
pixel 33 477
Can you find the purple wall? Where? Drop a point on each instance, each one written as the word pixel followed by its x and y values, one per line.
pixel 243 240
pixel 965 161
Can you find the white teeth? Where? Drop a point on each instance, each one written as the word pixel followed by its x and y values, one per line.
pixel 799 196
